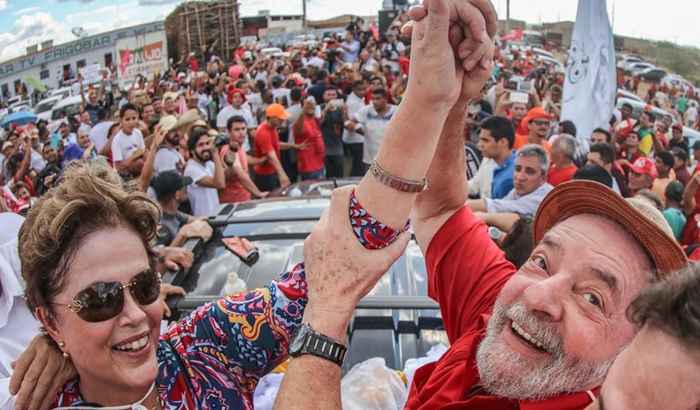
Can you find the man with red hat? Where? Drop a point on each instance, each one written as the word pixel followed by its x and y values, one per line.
pixel 539 338
pixel 538 122
pixel 677 139
pixel 642 175
pixel 236 97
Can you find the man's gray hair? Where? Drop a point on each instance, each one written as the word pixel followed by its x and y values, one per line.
pixel 534 150
pixel 568 144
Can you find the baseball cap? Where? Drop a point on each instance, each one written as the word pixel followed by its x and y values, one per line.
pixel 6 145
pixel 276 111
pixel 168 183
pixel 674 191
pixel 696 145
pixel 677 126
pixel 535 114
pixel 636 216
pixel 644 166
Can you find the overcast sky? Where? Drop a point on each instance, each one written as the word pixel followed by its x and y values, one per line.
pixel 27 22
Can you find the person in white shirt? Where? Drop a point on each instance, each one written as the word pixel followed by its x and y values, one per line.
pixel 99 133
pixel 280 94
pixel 128 146
pixel 391 51
pixel 17 325
pixel 351 48
pixel 85 124
pixel 207 172
pixel 237 98
pixel 354 141
pixel 168 157
pixel 371 122
pixel 691 114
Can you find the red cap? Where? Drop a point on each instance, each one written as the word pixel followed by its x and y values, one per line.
pixel 678 126
pixel 644 166
pixel 233 91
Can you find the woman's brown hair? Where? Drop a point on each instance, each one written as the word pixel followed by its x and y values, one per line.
pixel 90 197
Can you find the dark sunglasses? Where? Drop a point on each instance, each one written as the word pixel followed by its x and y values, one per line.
pixel 105 300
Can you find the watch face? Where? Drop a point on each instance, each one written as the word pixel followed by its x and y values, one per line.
pixel 298 340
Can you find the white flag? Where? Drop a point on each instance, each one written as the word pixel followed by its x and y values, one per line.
pixel 591 81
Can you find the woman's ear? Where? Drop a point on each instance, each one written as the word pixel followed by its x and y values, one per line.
pixel 48 322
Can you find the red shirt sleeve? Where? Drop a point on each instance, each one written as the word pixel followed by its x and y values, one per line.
pixel 466 271
pixel 263 142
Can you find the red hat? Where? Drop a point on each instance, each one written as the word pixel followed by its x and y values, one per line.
pixel 644 166
pixel 233 91
pixel 678 126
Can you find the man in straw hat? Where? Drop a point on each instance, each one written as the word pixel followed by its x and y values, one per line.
pixel 541 337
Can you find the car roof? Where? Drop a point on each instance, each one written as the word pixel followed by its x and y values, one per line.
pixel 277 228
pixel 49 99
pixel 75 99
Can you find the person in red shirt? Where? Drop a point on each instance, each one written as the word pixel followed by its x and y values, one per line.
pixel 537 122
pixel 239 186
pixel 543 338
pixel 307 131
pixel 691 205
pixel 563 152
pixel 270 174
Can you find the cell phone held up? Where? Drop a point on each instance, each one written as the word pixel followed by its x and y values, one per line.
pixel 243 249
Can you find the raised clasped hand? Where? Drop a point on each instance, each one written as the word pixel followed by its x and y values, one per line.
pixel 457 31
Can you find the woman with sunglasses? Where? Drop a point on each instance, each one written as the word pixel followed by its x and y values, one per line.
pixel 91 282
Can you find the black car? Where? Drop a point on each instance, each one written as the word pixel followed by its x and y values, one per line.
pixel 396 321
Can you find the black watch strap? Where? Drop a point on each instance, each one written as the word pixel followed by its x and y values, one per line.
pixel 309 341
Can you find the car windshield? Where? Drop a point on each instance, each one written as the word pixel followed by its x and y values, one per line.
pixel 45 106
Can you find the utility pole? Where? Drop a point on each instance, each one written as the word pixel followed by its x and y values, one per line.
pixel 507 17
pixel 303 8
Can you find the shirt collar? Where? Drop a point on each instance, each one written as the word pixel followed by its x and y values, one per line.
pixel 508 162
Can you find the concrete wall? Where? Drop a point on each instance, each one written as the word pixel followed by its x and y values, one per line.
pixel 49 63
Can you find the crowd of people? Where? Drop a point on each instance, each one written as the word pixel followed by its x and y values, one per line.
pixel 554 261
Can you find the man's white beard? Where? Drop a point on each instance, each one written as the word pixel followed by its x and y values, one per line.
pixel 505 373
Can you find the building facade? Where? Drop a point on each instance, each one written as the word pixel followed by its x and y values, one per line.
pixel 56 65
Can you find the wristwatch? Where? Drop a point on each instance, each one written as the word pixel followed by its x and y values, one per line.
pixel 308 341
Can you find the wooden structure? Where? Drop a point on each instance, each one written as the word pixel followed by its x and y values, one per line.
pixel 204 28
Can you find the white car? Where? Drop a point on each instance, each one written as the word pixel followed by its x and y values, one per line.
pixel 559 67
pixel 674 80
pixel 271 51
pixel 629 60
pixel 43 108
pixel 636 68
pixel 63 92
pixel 63 109
pixel 629 95
pixel 543 53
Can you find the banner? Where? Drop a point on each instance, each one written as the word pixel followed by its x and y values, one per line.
pixel 590 86
pixel 91 74
pixel 141 55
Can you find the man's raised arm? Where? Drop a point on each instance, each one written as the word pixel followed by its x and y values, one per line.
pixel 339 271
